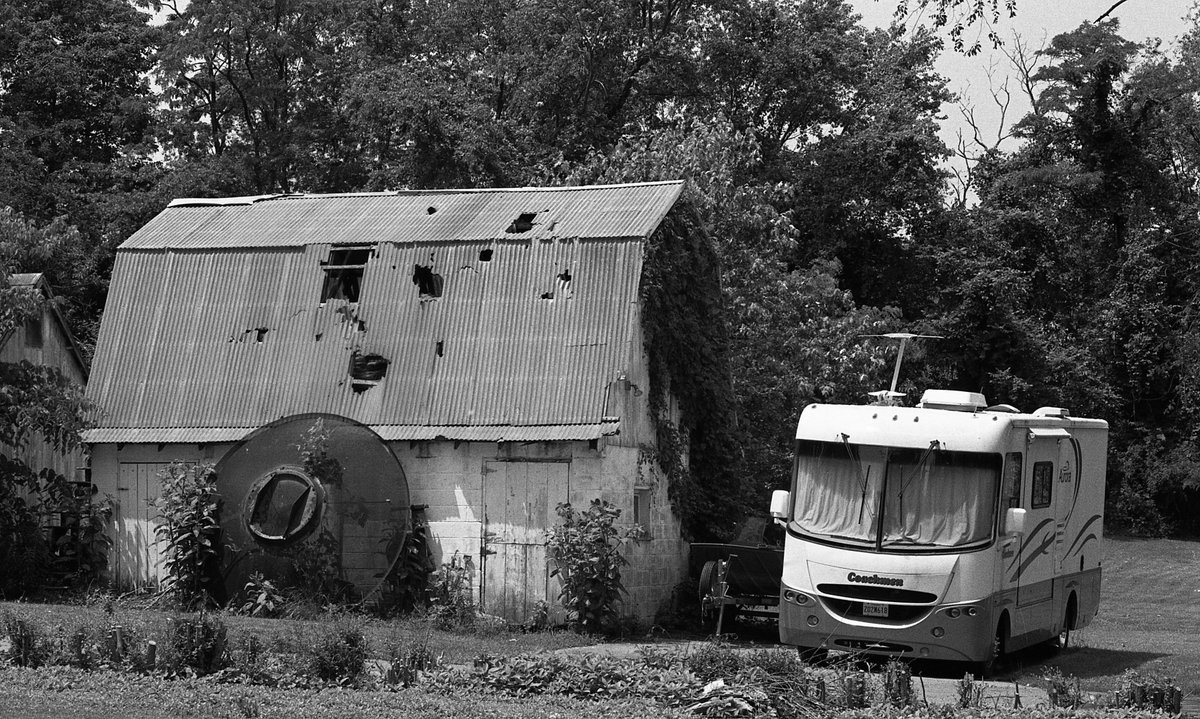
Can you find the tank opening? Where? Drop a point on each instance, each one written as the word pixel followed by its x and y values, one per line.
pixel 284 506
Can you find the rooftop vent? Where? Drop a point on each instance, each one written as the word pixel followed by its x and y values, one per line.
pixel 952 399
pixel 1052 412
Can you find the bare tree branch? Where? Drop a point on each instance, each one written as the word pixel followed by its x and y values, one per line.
pixel 1109 11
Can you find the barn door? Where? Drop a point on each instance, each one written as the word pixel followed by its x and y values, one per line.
pixel 519 500
pixel 138 560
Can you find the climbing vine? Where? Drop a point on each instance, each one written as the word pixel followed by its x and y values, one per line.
pixel 687 344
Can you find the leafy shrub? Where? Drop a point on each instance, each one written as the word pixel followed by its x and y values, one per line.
pixel 583 676
pixel 451 599
pixel 262 597
pixel 29 647
pixel 23 551
pixel 407 659
pixel 713 661
pixel 586 550
pixel 339 655
pixel 189 527
pixel 198 643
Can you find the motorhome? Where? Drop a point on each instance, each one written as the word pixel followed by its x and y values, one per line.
pixel 950 530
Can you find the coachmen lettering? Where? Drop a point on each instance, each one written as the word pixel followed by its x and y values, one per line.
pixel 875 579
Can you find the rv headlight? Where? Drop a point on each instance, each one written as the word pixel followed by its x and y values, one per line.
pixel 953 612
pixel 972 611
pixel 938 632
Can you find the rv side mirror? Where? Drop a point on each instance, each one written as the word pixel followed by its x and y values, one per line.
pixel 1014 521
pixel 781 499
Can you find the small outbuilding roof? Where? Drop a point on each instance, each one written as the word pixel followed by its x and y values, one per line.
pixel 476 315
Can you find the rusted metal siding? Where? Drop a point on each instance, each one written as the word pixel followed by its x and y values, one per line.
pixel 608 211
pixel 178 347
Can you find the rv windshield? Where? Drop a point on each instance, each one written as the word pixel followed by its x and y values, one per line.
pixel 894 499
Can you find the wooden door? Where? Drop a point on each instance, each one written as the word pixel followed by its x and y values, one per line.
pixel 519 501
pixel 137 554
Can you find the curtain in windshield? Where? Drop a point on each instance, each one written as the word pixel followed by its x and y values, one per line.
pixel 837 489
pixel 947 500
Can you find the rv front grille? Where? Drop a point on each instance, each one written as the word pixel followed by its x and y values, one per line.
pixel 876 594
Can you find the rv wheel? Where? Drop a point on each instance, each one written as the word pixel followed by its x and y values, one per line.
pixel 1063 639
pixel 987 668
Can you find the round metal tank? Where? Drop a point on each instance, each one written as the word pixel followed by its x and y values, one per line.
pixel 312 486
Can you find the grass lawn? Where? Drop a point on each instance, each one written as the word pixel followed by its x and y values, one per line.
pixel 1149 616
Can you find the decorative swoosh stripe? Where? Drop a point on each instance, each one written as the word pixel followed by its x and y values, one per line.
pixel 1095 518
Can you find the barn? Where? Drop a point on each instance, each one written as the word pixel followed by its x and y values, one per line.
pixel 46 341
pixel 479 353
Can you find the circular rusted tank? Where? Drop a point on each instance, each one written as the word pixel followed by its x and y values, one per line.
pixel 347 505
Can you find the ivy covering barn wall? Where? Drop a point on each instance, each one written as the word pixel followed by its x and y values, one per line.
pixel 687 345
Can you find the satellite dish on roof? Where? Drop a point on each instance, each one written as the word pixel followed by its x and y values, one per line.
pixel 313 487
pixel 891 396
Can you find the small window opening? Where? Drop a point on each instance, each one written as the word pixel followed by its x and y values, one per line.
pixel 485 255
pixel 429 283
pixel 344 273
pixel 34 332
pixel 523 223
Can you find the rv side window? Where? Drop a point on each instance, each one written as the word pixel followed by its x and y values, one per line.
pixel 1011 496
pixel 1043 480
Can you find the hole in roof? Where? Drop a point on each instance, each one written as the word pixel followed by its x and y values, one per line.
pixel 441 348
pixel 485 255
pixel 429 283
pixel 523 223
pixel 430 210
pixel 547 296
pixel 260 333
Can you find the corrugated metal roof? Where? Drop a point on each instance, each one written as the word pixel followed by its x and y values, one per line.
pixel 391 432
pixel 24 279
pixel 598 211
pixel 178 347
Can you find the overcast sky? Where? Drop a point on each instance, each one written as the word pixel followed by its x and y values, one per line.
pixel 1037 22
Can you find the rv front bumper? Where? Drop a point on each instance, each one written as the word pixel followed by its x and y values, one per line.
pixel 963 632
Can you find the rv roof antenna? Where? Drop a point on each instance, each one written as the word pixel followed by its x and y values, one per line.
pixel 890 396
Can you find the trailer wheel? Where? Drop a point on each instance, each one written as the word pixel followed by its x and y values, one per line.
pixel 708 581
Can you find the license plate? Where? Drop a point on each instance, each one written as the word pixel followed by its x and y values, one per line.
pixel 875 610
